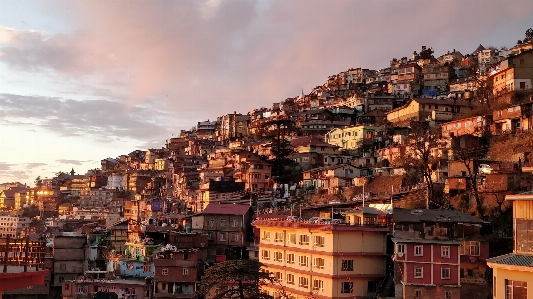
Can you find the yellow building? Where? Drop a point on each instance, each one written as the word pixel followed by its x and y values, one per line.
pixel 350 138
pixel 428 109
pixel 322 260
pixel 513 273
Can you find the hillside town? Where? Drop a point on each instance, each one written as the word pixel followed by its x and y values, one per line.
pixel 410 181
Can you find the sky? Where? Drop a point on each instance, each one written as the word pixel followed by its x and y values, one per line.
pixel 81 81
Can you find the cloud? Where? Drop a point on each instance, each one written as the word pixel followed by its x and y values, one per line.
pixel 100 120
pixel 5 166
pixel 34 165
pixel 73 162
pixel 202 59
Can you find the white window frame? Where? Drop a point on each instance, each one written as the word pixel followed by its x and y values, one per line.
pixel 445 273
pixel 290 258
pixel 445 251
pixel 290 278
pixel 185 271
pixel 419 248
pixel 421 275
pixel 303 260
pixel 318 285
pixel 303 282
pixel 319 241
pixel 303 239
pixel 319 262
pixel 164 271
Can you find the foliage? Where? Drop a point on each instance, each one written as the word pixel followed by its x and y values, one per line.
pixel 420 158
pixel 235 279
pixel 284 170
pixel 30 211
pixel 38 182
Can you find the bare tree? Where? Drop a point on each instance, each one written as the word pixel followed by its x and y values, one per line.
pixel 424 148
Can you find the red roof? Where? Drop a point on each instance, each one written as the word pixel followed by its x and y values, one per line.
pixel 226 209
pixel 309 140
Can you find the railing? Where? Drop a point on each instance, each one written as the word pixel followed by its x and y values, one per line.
pixel 22 252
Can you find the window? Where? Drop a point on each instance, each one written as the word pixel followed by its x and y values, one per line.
pixel 211 223
pixel 290 278
pixel 419 272
pixel 61 278
pixel 266 236
pixel 515 289
pixel 418 250
pixel 278 276
pixel 318 263
pixel 445 251
pixel 164 271
pixel 278 237
pixel 448 295
pixel 347 287
pixel 318 285
pixel 290 258
pixel 66 286
pixel 62 266
pixel 147 268
pixel 400 249
pixel 210 235
pixel 304 240
pixel 278 256
pixel 222 237
pixel 418 293
pixel 236 223
pixel 445 273
pixel 347 265
pixel 266 255
pixel 223 222
pixel 303 260
pixel 291 238
pixel 522 85
pixel 234 237
pixel 470 248
pixel 185 271
pixel 319 241
pixel 303 282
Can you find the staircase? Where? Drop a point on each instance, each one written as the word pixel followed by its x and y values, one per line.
pixel 386 289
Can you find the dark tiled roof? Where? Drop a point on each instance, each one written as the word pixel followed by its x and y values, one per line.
pixel 226 209
pixel 401 215
pixel 513 259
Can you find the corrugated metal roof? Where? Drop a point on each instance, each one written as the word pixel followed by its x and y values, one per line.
pixel 513 259
pixel 226 209
pixel 401 215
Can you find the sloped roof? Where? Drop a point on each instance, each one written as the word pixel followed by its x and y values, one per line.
pixel 478 49
pixel 431 215
pixel 309 140
pixel 226 209
pixel 513 259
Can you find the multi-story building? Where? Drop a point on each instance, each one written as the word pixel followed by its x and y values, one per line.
pixel 14 226
pixel 322 260
pixel 179 265
pixel 428 109
pixel 95 281
pixel 437 77
pixel 476 125
pixel 256 174
pixel 350 138
pixel 229 230
pixel 69 257
pixel 513 272
pixel 516 118
pixel 439 254
pixel 513 73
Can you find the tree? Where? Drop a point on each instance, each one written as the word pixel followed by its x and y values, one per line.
pixel 38 181
pixel 235 279
pixel 529 35
pixel 469 149
pixel 422 154
pixel 284 170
